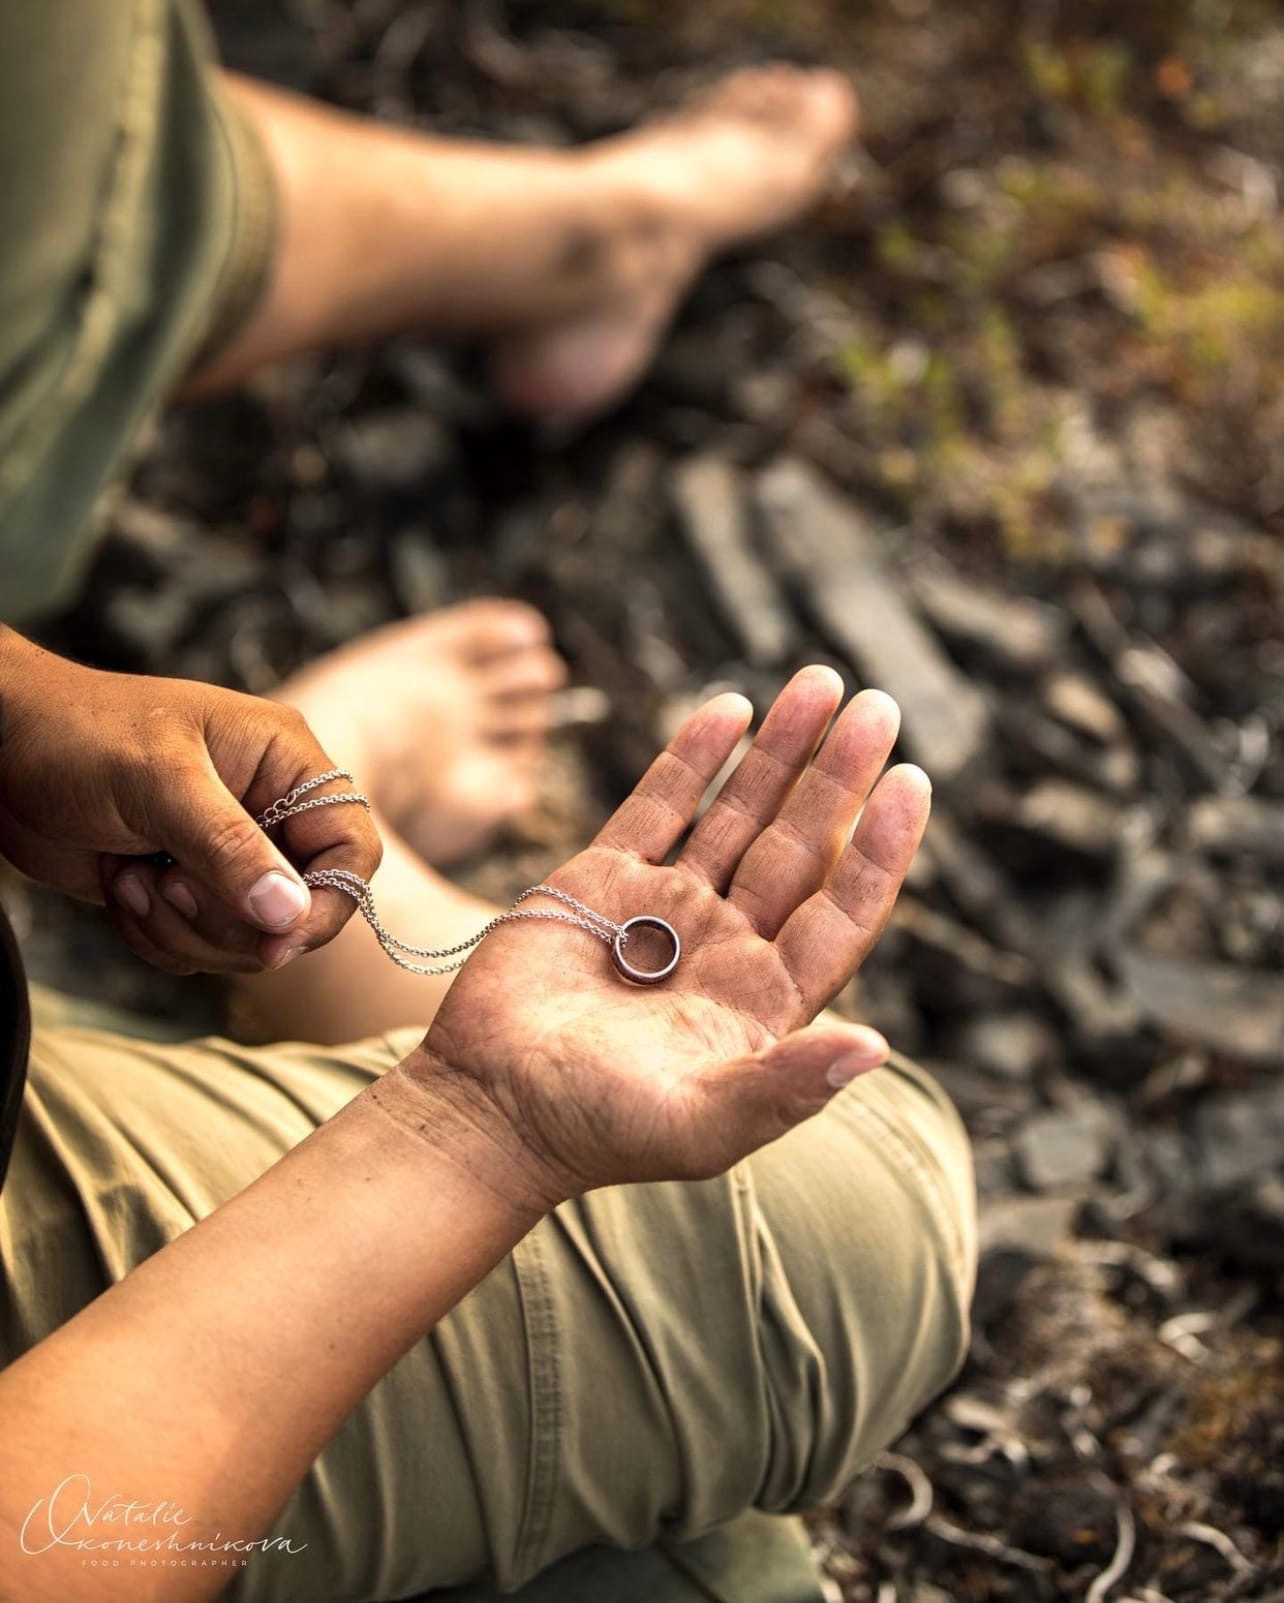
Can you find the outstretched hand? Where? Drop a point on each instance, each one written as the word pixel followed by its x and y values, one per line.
pixel 586 1080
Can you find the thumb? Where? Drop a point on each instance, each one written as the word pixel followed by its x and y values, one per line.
pixel 203 826
pixel 757 1098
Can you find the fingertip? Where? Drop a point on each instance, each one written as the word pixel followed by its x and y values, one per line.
pixel 820 677
pixel 179 896
pixel 733 706
pixel 277 901
pixel 913 778
pixel 276 951
pixel 864 1050
pixel 865 1039
pixel 130 892
pixel 878 706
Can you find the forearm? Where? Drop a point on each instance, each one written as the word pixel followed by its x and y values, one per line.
pixel 383 228
pixel 214 1373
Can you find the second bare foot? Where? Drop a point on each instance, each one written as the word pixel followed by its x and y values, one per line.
pixel 443 717
pixel 741 160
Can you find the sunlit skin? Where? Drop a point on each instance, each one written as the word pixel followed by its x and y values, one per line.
pixel 775 910
pixel 568 263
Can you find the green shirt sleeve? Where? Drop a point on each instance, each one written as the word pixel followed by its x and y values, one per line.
pixel 136 218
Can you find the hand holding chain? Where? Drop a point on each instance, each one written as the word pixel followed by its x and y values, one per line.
pixel 449 958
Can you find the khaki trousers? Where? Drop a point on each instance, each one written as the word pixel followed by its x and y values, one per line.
pixel 650 1361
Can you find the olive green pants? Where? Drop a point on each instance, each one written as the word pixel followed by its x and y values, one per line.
pixel 136 219
pixel 648 1364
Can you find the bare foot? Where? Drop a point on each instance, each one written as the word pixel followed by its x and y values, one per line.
pixel 743 159
pixel 443 718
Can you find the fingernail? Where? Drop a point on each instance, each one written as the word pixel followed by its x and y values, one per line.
pixel 278 900
pixel 131 890
pixel 859 1060
pixel 288 956
pixel 178 895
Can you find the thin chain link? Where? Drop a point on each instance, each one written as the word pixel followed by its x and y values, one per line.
pixel 401 952
pixel 291 803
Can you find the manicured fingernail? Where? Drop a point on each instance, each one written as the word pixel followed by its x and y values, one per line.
pixel 278 900
pixel 869 1054
pixel 178 895
pixel 131 890
pixel 288 956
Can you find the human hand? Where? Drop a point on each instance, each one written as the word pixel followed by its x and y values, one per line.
pixel 98 769
pixel 576 1078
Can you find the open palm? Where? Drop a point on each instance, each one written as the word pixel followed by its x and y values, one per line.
pixel 777 903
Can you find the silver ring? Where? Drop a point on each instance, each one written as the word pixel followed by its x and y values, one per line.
pixel 641 976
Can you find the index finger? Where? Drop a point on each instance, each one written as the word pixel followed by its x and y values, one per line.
pixel 326 833
pixel 652 820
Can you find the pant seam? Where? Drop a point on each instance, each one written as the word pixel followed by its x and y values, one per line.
pixel 935 1195
pixel 547 1409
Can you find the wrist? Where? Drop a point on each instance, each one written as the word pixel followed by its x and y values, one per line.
pixel 451 1110
pixel 15 651
pixel 26 689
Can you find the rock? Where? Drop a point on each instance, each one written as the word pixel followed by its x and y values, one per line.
pixel 993 1168
pixel 1036 1226
pixel 1076 701
pixel 393 449
pixel 1249 1225
pixel 1166 1155
pixel 1013 631
pixel 710 501
pixel 1233 1010
pixel 150 620
pixel 961 945
pixel 1234 826
pixel 984 893
pixel 1062 1148
pixel 986 1103
pixel 1240 1135
pixel 1150 682
pixel 831 553
pixel 1072 1521
pixel 1014 1046
pixel 1016 1234
pixel 1000 1274
pixel 419 574
pixel 1061 813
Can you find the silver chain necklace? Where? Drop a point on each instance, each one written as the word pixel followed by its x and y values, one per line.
pixel 613 935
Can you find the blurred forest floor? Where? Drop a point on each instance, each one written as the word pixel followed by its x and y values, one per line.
pixel 1018 392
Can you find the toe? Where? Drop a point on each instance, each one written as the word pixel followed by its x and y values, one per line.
pixel 526 719
pixel 831 106
pixel 480 631
pixel 815 98
pixel 525 674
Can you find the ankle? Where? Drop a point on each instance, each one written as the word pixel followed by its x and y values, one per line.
pixel 636 222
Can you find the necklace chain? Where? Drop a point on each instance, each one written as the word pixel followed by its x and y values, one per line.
pixel 401 952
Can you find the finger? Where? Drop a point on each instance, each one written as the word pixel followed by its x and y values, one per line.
pixel 162 934
pixel 220 926
pixel 519 717
pixel 790 860
pixel 129 896
pixel 826 939
pixel 344 836
pixel 651 821
pixel 764 777
pixel 750 1101
pixel 198 821
pixel 524 672
pixel 489 628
